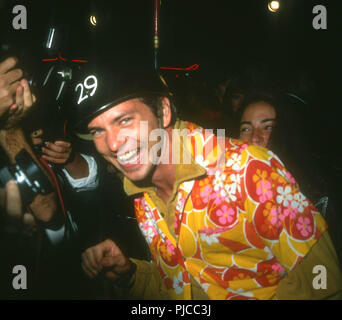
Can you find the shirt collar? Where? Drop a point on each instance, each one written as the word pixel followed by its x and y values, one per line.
pixel 184 172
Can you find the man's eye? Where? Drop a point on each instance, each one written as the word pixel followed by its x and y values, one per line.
pixel 96 132
pixel 269 128
pixel 125 120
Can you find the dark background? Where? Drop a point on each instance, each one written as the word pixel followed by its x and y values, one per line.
pixel 220 36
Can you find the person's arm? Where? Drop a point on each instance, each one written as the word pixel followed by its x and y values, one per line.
pixel 15 100
pixel 12 140
pixel 131 278
pixel 300 282
pixel 147 283
pixel 60 152
pixel 85 183
pixel 289 225
pixel 10 203
pixel 76 167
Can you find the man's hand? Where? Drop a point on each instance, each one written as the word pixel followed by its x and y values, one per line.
pixel 105 257
pixel 15 94
pixel 58 152
pixel 61 152
pixel 10 202
pixel 9 83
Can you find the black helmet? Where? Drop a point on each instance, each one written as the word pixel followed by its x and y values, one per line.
pixel 98 87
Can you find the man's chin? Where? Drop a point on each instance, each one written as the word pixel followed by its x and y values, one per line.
pixel 142 174
pixel 134 173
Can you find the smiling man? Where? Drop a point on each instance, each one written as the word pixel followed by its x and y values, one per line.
pixel 118 136
pixel 231 223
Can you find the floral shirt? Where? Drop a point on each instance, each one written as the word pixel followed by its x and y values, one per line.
pixel 237 230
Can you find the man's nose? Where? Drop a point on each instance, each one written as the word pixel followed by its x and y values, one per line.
pixel 114 140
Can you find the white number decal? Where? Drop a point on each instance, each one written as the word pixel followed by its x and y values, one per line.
pixel 90 83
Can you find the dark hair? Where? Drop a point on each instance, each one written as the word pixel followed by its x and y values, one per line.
pixel 251 98
pixel 156 105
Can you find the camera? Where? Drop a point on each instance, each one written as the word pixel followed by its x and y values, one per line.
pixel 30 178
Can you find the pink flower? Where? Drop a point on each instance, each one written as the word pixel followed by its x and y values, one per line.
pixel 210 231
pixel 206 193
pixel 303 226
pixel 170 247
pixel 264 191
pixel 217 197
pixel 278 268
pixel 275 216
pixel 207 231
pixel 289 211
pixel 226 215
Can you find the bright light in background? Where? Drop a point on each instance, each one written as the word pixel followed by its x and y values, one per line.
pixel 273 6
pixel 50 38
pixel 93 20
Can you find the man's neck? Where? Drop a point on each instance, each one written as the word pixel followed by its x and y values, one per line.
pixel 163 180
pixel 164 176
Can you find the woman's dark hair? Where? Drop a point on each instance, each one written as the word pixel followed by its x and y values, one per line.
pixel 251 98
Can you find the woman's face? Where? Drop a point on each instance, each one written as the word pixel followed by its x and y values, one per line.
pixel 257 123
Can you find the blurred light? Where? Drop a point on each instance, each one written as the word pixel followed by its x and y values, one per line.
pixel 191 68
pixel 53 59
pixel 50 38
pixel 273 6
pixel 63 59
pixel 93 20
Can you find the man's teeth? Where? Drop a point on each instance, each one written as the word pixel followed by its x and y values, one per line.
pixel 128 156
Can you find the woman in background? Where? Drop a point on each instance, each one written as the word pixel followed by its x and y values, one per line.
pixel 286 126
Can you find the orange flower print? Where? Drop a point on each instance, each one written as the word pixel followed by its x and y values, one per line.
pixel 241 276
pixel 259 175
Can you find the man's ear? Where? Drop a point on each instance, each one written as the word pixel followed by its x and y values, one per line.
pixel 167 114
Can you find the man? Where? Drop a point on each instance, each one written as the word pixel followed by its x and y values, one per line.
pixel 223 221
